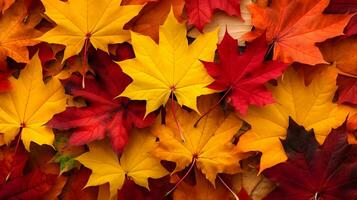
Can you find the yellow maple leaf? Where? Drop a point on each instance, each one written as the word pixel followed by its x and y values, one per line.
pixel 172 66
pixel 101 22
pixel 30 105
pixel 310 106
pixel 135 162
pixel 209 144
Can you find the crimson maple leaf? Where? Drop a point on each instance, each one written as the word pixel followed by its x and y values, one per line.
pixel 31 186
pixel 15 180
pixel 243 75
pixel 315 171
pixel 12 162
pixel 347 89
pixel 5 72
pixel 75 188
pixel 345 6
pixel 200 11
pixel 158 189
pixel 104 114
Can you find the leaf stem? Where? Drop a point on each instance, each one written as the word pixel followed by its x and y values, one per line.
pixel 183 178
pixel 213 107
pixel 175 118
pixel 85 59
pixel 230 190
pixel 16 148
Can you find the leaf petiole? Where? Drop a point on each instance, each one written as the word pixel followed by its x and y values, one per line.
pixel 183 178
pixel 213 107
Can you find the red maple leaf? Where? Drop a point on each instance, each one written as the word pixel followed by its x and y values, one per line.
pixel 74 189
pixel 12 162
pixel 16 181
pixel 158 189
pixel 104 114
pixel 315 171
pixel 31 186
pixel 243 75
pixel 345 6
pixel 4 74
pixel 347 90
pixel 200 11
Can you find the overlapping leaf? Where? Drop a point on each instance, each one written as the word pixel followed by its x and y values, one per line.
pixel 342 7
pixel 243 75
pixel 99 22
pixel 293 28
pixel 170 67
pixel 319 171
pixel 209 144
pixel 105 115
pixel 17 32
pixel 200 11
pixel 30 105
pixel 135 162
pixel 310 106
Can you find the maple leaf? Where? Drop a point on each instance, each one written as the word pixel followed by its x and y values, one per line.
pixel 74 190
pixel 345 6
pixel 65 153
pixel 135 163
pixel 339 51
pixel 149 19
pixel 249 185
pixel 12 162
pixel 30 105
pixel 347 90
pixel 235 27
pixel 31 186
pixel 4 83
pixel 135 2
pixel 315 171
pixel 290 27
pixel 202 190
pixel 17 32
pixel 51 59
pixel 209 145
pixel 79 22
pixel 171 67
pixel 243 75
pixel 158 189
pixel 5 4
pixel 104 115
pixel 200 11
pixel 310 106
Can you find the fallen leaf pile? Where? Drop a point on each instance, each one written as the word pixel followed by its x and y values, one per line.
pixel 178 99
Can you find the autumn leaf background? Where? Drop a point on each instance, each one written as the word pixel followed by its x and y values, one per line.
pixel 178 99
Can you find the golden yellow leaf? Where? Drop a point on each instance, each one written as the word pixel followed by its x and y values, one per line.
pixel 17 32
pixel 135 162
pixel 30 105
pixel 209 144
pixel 170 66
pixel 101 22
pixel 310 106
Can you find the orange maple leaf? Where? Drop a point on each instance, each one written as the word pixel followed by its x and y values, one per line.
pixel 5 4
pixel 17 32
pixel 153 15
pixel 293 28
